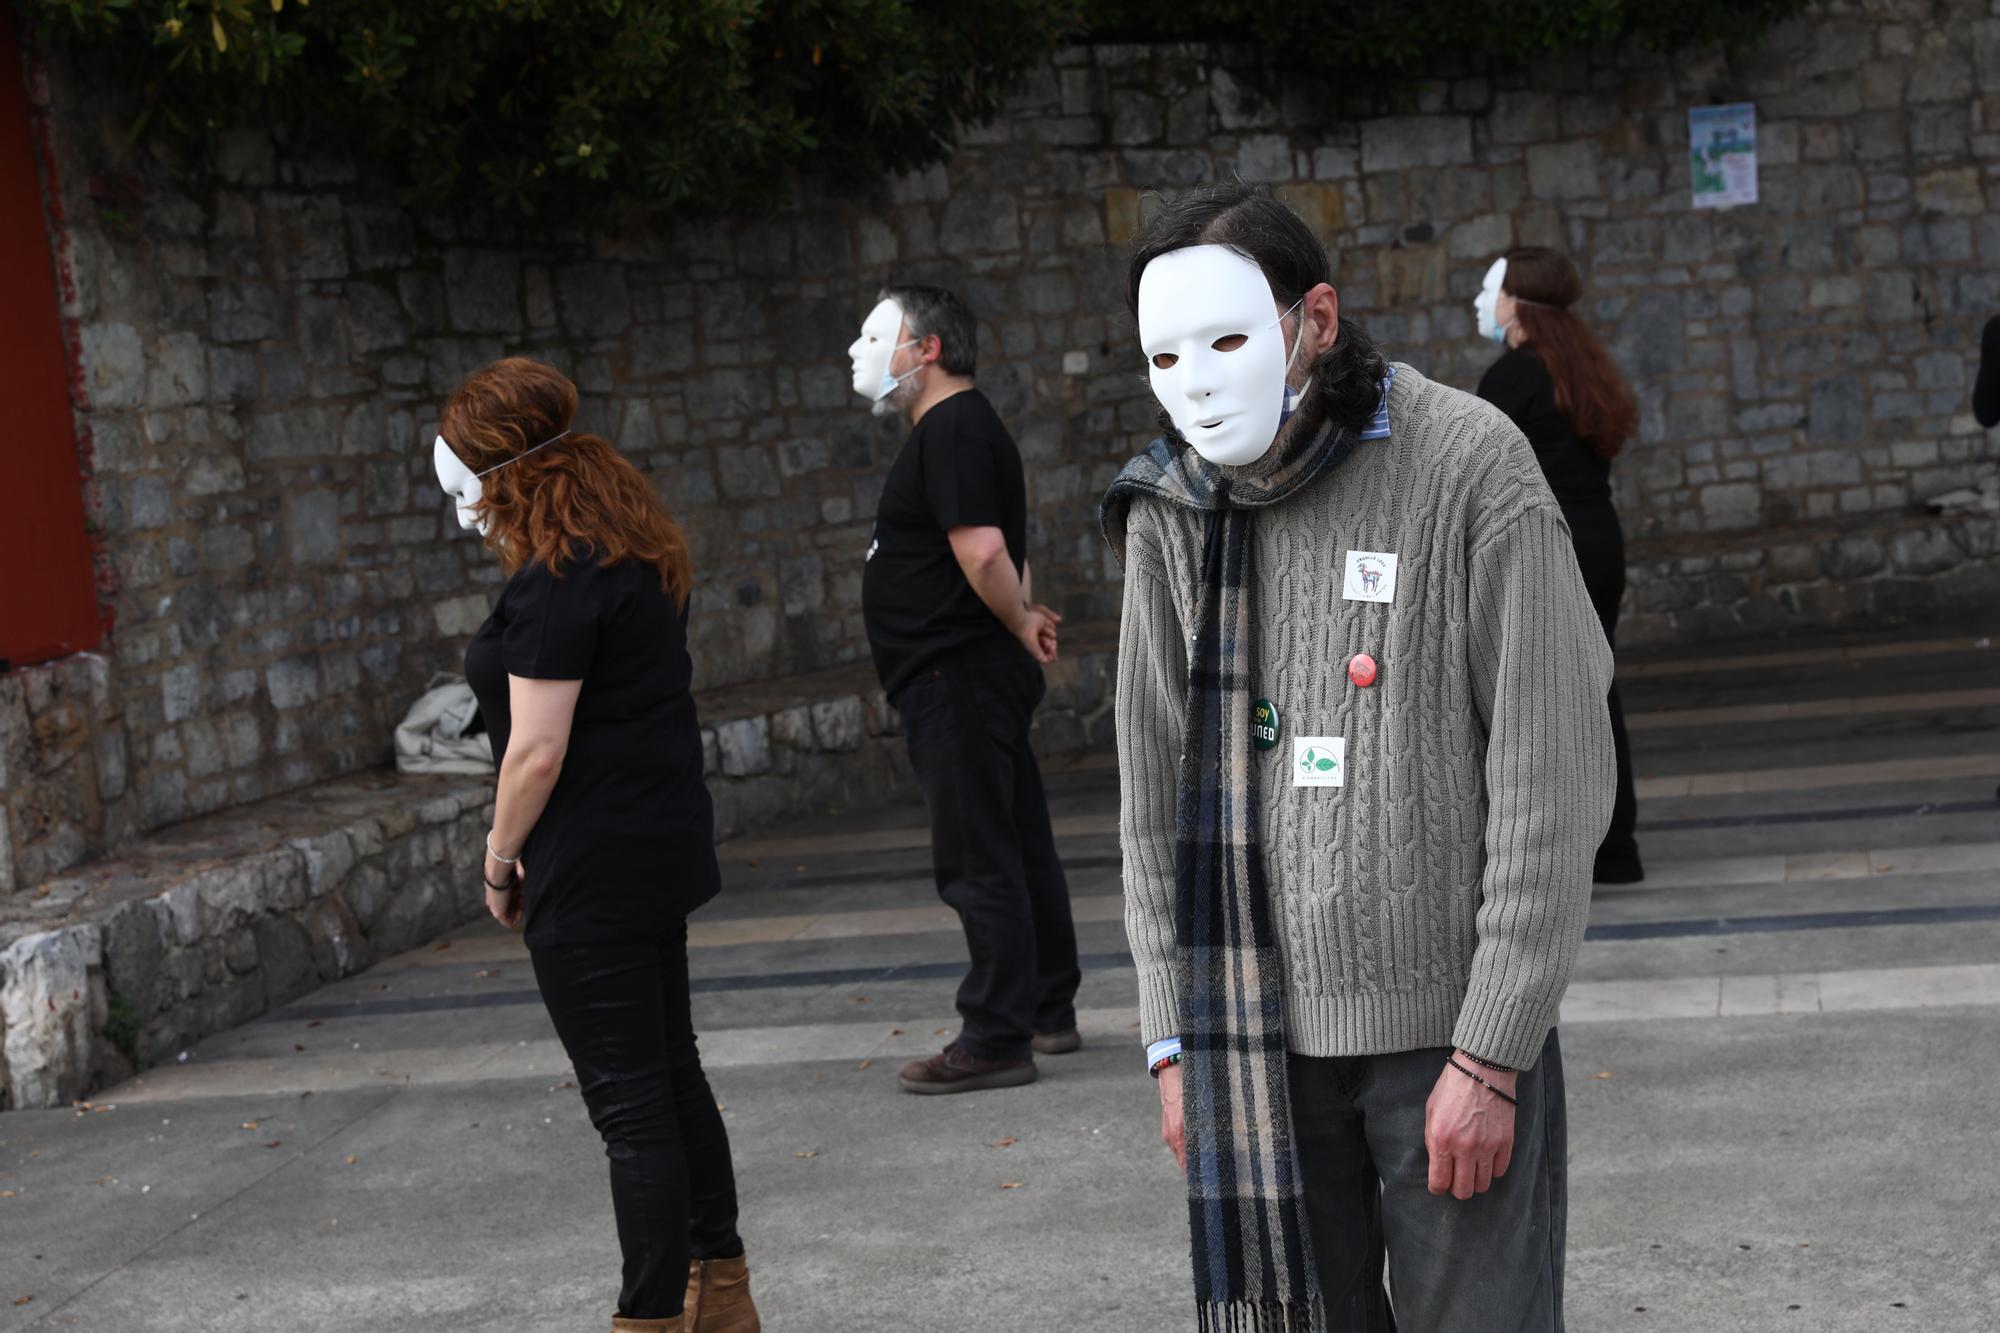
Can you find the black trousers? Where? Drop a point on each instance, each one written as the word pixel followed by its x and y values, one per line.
pixel 622 1013
pixel 992 850
pixel 1600 555
pixel 1491 1262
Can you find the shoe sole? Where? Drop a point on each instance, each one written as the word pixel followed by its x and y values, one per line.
pixel 999 1078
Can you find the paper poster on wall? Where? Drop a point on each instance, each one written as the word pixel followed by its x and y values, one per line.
pixel 1722 152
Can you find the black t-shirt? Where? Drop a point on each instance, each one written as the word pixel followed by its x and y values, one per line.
pixel 959 468
pixel 627 843
pixel 1519 385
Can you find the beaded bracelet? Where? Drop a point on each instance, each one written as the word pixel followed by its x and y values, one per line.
pixel 1480 1081
pixel 1164 1061
pixel 1488 1064
pixel 503 860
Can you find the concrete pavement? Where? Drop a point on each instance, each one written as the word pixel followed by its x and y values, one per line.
pixel 1780 1049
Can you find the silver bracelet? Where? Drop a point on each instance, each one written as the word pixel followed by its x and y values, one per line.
pixel 503 860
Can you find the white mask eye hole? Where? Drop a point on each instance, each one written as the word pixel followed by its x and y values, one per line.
pixel 1165 361
pixel 1230 342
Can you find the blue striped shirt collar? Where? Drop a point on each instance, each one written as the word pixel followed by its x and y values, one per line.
pixel 1378 426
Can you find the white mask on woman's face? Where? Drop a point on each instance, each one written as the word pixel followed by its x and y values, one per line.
pixel 457 481
pixel 873 350
pixel 1485 305
pixel 1215 350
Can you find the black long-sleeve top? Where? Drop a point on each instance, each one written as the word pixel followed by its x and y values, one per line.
pixel 1519 385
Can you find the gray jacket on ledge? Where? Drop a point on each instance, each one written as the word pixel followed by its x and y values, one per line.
pixel 1439 897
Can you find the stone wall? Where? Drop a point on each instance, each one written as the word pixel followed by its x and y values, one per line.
pixel 264 346
pixel 120 966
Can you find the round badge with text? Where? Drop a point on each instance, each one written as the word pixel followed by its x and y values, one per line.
pixel 1265 724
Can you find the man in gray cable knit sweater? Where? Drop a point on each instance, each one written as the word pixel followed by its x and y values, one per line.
pixel 1428 770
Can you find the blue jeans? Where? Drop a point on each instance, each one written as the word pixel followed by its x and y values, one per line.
pixel 1490 1264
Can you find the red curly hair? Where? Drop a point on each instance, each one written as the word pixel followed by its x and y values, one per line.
pixel 563 502
pixel 1589 389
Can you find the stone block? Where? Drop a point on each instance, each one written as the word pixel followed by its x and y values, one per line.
pixel 838 723
pixel 592 299
pixel 1565 171
pixel 248 312
pixel 1837 412
pixel 292 682
pixel 793 727
pixel 980 222
pixel 1522 118
pixel 1320 206
pixel 1397 143
pixel 177 374
pixel 1410 276
pixel 744 746
pixel 114 360
pixel 1954 193
pixel 1851 557
pixel 49 1003
pixel 1266 158
pixel 483 290
pixel 1924 551
pixel 312 526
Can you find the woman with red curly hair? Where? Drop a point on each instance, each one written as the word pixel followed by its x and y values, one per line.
pixel 1559 385
pixel 603 835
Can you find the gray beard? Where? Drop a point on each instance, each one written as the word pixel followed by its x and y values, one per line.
pixel 897 401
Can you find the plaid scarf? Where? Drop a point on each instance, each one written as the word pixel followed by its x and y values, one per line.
pixel 1251 1250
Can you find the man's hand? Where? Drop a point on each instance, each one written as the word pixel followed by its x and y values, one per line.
pixel 1172 1130
pixel 504 904
pixel 1468 1131
pixel 1037 631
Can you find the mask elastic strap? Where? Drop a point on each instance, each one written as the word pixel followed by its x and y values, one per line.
pixel 523 454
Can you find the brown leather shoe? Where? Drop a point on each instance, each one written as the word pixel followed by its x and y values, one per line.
pixel 957 1070
pixel 620 1324
pixel 1057 1043
pixel 718 1297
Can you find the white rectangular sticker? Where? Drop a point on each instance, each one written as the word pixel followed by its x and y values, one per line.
pixel 1319 761
pixel 1371 576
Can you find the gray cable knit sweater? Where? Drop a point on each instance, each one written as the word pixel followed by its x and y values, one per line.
pixel 1439 896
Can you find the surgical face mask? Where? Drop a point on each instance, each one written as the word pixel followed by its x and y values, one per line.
pixel 1215 351
pixel 462 485
pixel 875 348
pixel 1485 305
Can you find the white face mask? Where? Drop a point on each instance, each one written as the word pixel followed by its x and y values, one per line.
pixel 875 348
pixel 1485 305
pixel 1215 350
pixel 459 482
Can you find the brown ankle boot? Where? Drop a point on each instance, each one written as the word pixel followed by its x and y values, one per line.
pixel 676 1324
pixel 718 1297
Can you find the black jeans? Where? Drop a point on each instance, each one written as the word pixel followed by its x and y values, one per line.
pixel 1490 1264
pixel 622 1013
pixel 1600 555
pixel 992 850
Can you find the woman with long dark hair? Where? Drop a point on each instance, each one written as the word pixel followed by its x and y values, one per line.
pixel 603 835
pixel 1560 386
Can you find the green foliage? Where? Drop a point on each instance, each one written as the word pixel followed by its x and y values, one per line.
pixel 121 1028
pixel 1369 55
pixel 558 108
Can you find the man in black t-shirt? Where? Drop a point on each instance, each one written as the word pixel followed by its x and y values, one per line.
pixel 959 642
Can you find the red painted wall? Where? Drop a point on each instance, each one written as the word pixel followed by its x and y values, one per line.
pixel 48 600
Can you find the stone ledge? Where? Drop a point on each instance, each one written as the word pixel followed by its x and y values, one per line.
pixel 813 743
pixel 208 924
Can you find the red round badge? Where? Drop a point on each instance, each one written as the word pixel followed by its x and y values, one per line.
pixel 1361 669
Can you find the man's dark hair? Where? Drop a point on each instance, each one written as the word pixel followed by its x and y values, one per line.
pixel 933 310
pixel 1346 382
